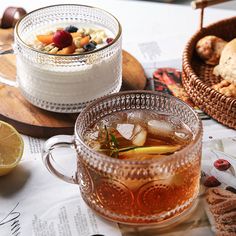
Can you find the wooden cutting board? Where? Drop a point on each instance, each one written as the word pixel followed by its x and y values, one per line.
pixel 33 121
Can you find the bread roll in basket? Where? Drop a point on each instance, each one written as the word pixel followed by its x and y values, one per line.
pixel 227 66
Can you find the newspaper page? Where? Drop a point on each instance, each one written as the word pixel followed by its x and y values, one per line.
pixel 34 203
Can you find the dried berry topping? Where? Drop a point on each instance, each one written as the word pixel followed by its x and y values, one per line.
pixel 89 47
pixel 222 164
pixel 71 29
pixel 92 41
pixel 211 181
pixel 109 40
pixel 231 189
pixel 62 39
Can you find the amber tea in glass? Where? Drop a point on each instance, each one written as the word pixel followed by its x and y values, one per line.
pixel 138 157
pixel 138 136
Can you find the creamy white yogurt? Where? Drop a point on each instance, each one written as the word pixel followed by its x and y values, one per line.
pixel 69 85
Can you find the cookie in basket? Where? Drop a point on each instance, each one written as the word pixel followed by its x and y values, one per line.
pixel 215 51
pixel 209 49
pixel 225 88
pixel 227 70
pixel 221 210
pixel 227 66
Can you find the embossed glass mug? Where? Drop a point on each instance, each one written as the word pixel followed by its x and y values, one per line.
pixel 66 83
pixel 154 191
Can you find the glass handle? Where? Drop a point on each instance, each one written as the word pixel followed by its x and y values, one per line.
pixel 58 164
pixel 7 49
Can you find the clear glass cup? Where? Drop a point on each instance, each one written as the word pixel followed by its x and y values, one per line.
pixel 66 83
pixel 156 191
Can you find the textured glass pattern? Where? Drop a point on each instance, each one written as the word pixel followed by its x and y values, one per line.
pixel 138 192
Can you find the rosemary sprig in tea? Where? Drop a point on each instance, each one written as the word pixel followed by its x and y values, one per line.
pixel 111 143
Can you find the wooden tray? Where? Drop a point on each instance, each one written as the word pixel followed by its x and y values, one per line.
pixel 33 121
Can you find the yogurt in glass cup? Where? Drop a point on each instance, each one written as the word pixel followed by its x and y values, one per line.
pixel 66 83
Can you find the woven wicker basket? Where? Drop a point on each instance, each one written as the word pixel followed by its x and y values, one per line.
pixel 198 77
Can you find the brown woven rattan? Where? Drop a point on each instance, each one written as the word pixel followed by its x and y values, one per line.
pixel 198 77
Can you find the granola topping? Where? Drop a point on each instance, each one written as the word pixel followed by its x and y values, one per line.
pixel 71 40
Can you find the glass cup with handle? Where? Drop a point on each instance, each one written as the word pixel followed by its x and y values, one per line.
pixel 154 190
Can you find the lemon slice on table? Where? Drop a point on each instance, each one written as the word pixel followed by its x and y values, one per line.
pixel 11 148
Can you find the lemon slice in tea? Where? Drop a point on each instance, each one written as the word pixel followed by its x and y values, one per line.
pixel 11 148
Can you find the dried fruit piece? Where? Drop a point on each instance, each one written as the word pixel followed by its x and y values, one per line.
pixel 109 40
pixel 46 39
pixel 211 181
pixel 93 42
pixel 71 29
pixel 84 41
pixel 89 47
pixel 67 50
pixel 222 164
pixel 62 39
